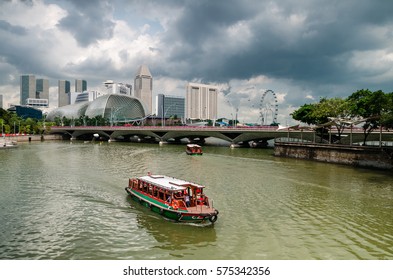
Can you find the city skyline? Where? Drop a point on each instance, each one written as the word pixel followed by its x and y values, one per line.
pixel 200 101
pixel 301 50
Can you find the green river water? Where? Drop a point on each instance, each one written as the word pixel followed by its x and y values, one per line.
pixel 62 200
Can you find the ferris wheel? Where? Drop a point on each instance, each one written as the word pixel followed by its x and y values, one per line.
pixel 268 108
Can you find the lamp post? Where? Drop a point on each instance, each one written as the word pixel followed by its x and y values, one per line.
pixel 163 116
pixel 234 122
pixel 114 114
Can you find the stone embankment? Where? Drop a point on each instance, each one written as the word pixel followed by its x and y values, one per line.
pixel 28 138
pixel 359 156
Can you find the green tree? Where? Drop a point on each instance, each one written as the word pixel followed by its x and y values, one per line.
pixel 305 114
pixel 326 113
pixel 387 114
pixel 369 106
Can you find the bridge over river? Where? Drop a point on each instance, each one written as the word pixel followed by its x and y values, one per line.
pixel 233 135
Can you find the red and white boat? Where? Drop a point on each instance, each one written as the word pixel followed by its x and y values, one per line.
pixel 174 199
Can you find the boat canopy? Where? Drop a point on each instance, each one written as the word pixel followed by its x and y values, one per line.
pixel 169 183
pixel 193 146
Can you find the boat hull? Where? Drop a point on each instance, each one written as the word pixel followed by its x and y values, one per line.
pixel 194 154
pixel 168 212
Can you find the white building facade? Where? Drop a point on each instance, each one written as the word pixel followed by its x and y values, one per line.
pixel 201 101
pixel 111 87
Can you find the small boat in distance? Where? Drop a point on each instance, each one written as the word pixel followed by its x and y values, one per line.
pixel 193 149
pixel 174 199
pixel 4 144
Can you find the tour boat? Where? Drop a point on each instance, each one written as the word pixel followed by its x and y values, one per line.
pixel 193 149
pixel 174 199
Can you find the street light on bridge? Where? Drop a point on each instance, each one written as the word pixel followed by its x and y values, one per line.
pixel 163 116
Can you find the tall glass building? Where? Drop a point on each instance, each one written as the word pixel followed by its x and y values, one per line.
pixel 27 88
pixel 80 85
pixel 42 89
pixel 170 106
pixel 34 92
pixel 64 90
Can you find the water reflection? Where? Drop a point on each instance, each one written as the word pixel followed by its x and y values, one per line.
pixel 170 235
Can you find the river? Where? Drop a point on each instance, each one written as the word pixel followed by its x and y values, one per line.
pixel 66 200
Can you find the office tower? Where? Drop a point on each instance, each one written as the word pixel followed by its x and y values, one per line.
pixel 170 106
pixel 27 88
pixel 42 89
pixel 1 101
pixel 80 85
pixel 201 101
pixel 64 90
pixel 143 87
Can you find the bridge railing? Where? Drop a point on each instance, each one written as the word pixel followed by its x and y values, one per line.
pixel 188 127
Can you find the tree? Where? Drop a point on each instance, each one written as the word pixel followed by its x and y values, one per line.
pixel 326 113
pixel 305 114
pixel 387 114
pixel 370 106
pixel 333 111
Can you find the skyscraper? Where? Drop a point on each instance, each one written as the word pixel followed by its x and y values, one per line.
pixel 143 87
pixel 27 88
pixel 64 89
pixel 80 85
pixel 1 101
pixel 42 89
pixel 167 106
pixel 201 101
pixel 34 92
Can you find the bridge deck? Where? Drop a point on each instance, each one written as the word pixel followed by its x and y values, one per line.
pixel 231 134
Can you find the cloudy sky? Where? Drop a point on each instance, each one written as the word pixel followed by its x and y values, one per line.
pixel 302 50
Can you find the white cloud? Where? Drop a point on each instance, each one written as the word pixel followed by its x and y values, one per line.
pixel 34 17
pixel 377 65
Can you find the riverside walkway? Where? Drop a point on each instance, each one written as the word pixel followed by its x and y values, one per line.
pixel 234 135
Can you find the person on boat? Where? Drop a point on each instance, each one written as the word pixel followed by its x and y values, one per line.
pixel 178 195
pixel 201 200
pixel 169 200
pixel 187 200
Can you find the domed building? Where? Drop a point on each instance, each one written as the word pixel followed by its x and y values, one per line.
pixel 73 111
pixel 115 107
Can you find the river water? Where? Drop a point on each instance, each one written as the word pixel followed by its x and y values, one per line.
pixel 63 200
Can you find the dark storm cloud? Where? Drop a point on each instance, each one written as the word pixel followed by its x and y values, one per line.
pixel 97 70
pixel 88 21
pixel 314 48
